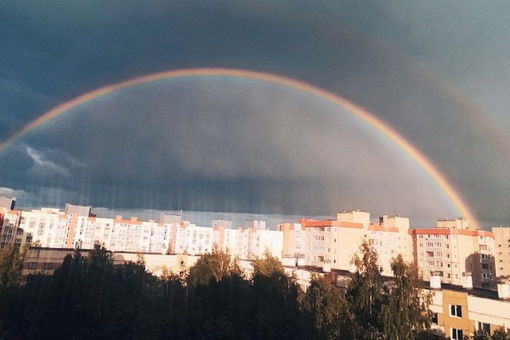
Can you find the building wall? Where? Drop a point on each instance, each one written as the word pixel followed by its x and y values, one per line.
pixel 458 256
pixel 495 313
pixel 451 298
pixel 10 223
pixel 502 251
pixel 293 239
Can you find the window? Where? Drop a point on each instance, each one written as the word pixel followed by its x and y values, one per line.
pixel 434 318
pixel 456 310
pixel 32 265
pixel 457 334
pixel 484 326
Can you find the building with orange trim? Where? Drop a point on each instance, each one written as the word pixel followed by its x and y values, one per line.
pixel 456 253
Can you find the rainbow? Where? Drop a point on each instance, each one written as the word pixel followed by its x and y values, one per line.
pixel 361 113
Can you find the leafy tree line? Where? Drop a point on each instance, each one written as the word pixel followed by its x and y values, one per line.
pixel 90 298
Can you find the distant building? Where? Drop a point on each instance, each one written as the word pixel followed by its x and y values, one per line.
pixel 79 210
pixel 222 223
pixel 256 224
pixel 7 203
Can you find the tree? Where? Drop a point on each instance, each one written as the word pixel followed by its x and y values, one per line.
pixel 480 335
pixel 213 266
pixel 278 313
pixel 407 310
pixel 500 334
pixel 327 309
pixel 267 265
pixel 11 263
pixel 365 294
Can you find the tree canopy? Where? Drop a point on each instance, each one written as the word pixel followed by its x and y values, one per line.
pixel 90 297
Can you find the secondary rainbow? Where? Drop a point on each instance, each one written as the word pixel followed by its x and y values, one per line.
pixel 360 112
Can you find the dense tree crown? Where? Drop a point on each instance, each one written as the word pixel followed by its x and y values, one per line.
pixel 90 298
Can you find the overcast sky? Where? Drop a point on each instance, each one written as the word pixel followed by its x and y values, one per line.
pixel 436 71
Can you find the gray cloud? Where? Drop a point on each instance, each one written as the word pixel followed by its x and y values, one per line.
pixel 420 67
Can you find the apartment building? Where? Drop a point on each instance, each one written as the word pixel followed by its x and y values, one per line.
pixel 502 251
pixel 389 238
pixel 262 240
pixel 331 242
pixel 293 242
pixel 460 313
pixel 456 253
pixel 46 226
pixel 9 226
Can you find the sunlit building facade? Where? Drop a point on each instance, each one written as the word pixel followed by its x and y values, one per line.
pixel 456 253
pixel 502 252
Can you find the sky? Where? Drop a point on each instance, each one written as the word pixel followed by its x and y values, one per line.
pixel 437 72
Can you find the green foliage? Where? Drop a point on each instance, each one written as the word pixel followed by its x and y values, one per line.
pixel 278 311
pixel 214 266
pixel 89 297
pixel 268 265
pixel 365 294
pixel 328 309
pixel 499 334
pixel 11 262
pixel 406 312
pixel 480 335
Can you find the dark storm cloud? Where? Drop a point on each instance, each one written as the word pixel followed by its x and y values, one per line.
pixel 223 144
pixel 385 56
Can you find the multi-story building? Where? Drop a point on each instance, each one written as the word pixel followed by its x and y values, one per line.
pixel 457 254
pixel 10 223
pixel 334 242
pixel 502 251
pixel 331 242
pixel 261 240
pixel 389 238
pixel 293 244
pixel 47 227
pixel 463 312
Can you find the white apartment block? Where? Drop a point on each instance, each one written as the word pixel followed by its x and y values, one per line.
pixel 459 256
pixel 389 238
pixel 159 237
pixel 11 219
pixel 331 242
pixel 261 241
pixel 47 227
pixel 293 244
